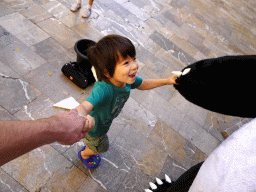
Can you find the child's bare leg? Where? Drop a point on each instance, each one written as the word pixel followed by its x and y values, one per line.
pixel 86 153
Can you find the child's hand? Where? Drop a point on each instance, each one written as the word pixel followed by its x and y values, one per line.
pixel 171 79
pixel 89 124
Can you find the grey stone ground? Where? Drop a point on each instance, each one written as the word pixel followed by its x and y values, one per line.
pixel 158 131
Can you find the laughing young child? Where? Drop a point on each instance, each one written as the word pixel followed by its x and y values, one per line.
pixel 114 59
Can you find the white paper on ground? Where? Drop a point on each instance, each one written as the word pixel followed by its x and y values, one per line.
pixel 69 103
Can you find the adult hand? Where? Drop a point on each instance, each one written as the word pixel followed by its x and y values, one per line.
pixel 69 127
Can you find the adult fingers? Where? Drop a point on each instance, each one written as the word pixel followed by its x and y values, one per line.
pixel 91 122
pixel 86 126
pixel 84 134
pixel 74 110
pixel 83 118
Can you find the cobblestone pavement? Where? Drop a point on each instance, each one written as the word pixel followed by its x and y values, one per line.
pixel 158 131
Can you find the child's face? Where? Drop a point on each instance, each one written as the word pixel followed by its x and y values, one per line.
pixel 125 72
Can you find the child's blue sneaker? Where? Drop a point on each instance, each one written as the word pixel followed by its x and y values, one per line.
pixel 92 162
pixel 97 158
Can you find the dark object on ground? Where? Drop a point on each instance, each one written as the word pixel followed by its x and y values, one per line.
pixel 182 184
pixel 80 72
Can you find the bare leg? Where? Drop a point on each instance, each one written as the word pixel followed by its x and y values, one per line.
pixel 86 153
pixel 87 12
pixel 90 2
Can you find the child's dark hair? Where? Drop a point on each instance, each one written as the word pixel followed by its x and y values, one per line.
pixel 105 54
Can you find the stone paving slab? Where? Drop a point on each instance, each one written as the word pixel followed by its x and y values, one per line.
pixel 17 94
pixel 91 186
pixel 135 10
pixel 197 113
pixel 41 168
pixel 198 136
pixel 15 91
pixel 5 9
pixel 35 13
pixel 172 48
pixel 176 146
pixel 41 107
pixel 71 19
pixel 5 116
pixel 163 110
pixel 154 63
pixel 140 150
pixel 115 7
pixel 60 32
pixel 135 180
pixel 15 23
pixel 17 55
pixel 172 168
pixel 20 4
pixel 69 180
pixel 89 33
pixel 139 118
pixel 57 9
pixel 56 86
pixel 114 20
pixel 32 36
pixel 53 52
pixel 172 62
pixel 8 184
pixel 116 127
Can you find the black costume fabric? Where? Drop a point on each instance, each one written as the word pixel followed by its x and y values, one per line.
pixel 184 182
pixel 224 85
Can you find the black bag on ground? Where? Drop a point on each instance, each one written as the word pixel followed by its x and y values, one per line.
pixel 71 71
pixel 80 72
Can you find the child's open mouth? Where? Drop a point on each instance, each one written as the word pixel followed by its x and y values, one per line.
pixel 132 76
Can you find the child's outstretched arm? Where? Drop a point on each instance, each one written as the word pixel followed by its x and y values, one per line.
pixel 84 109
pixel 153 83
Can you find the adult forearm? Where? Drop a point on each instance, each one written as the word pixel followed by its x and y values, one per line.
pixel 18 137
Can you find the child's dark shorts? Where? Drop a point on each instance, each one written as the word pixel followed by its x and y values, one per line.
pixel 99 144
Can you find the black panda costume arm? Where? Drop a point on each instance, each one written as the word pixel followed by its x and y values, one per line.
pixel 182 184
pixel 223 85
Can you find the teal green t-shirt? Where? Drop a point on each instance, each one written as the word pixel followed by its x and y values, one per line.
pixel 108 101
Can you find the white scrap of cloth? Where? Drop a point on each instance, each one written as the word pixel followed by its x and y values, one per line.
pixel 231 166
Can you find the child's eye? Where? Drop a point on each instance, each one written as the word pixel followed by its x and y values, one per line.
pixel 126 63
pixel 134 58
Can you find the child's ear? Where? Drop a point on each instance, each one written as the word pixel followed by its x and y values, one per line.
pixel 106 73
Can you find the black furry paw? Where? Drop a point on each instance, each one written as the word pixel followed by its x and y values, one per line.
pixel 160 185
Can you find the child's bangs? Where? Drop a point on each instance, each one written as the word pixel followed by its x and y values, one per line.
pixel 126 49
